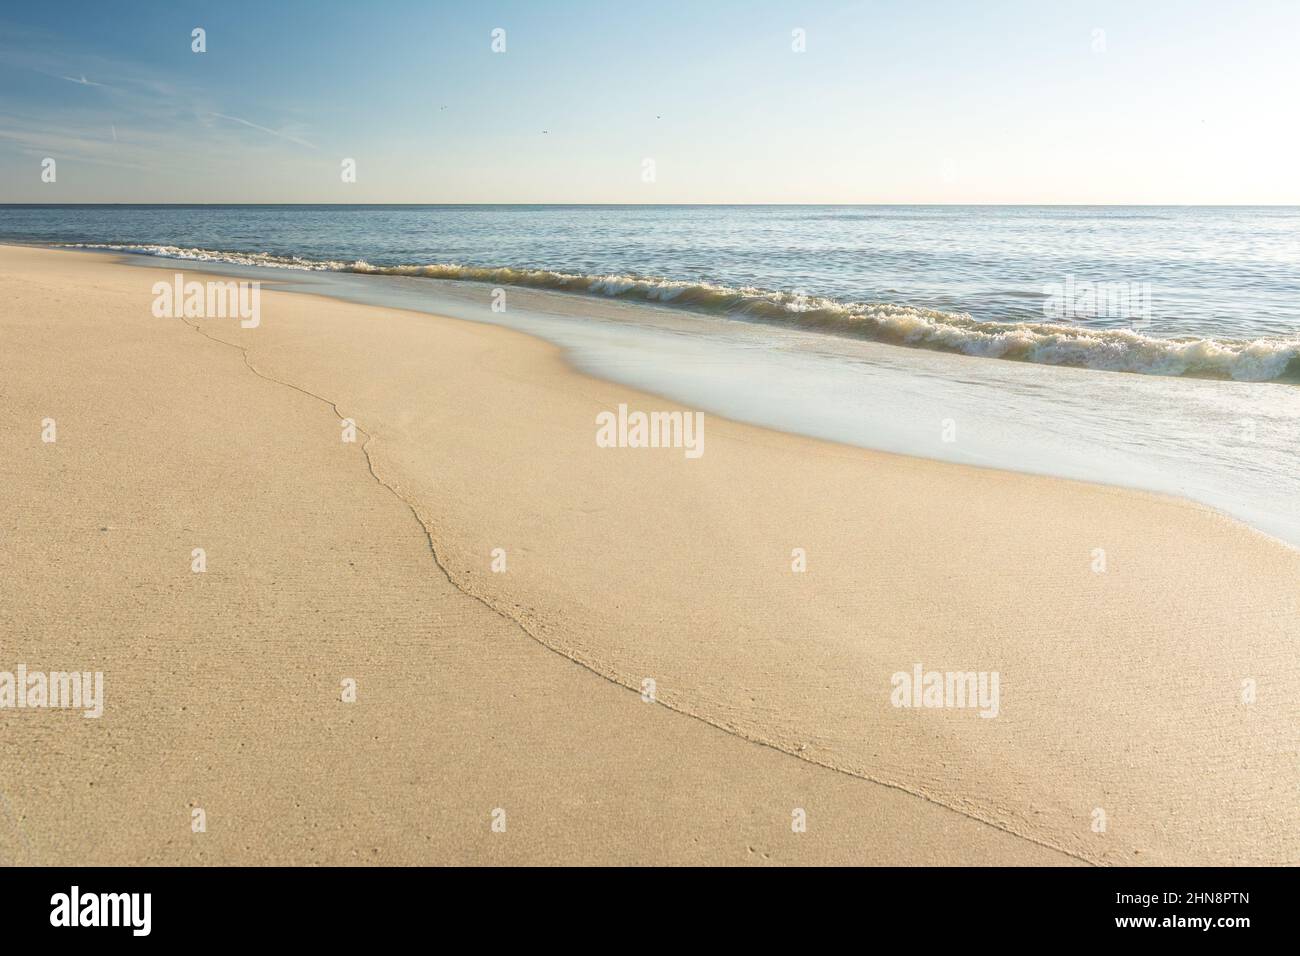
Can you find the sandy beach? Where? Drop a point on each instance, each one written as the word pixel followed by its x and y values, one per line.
pixel 503 591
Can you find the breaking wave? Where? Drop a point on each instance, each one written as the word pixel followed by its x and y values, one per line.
pixel 1047 343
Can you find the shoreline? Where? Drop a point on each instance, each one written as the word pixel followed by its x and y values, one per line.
pixel 640 591
pixel 1261 508
pixel 1056 333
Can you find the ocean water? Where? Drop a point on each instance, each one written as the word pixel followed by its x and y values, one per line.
pixel 1201 291
pixel 874 326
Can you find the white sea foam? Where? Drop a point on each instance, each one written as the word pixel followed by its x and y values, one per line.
pixel 1046 343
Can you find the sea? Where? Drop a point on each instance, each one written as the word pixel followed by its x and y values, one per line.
pixel 1148 347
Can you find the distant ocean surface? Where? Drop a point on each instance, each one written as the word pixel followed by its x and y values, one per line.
pixel 1177 291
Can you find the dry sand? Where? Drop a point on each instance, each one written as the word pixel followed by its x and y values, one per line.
pixel 1120 692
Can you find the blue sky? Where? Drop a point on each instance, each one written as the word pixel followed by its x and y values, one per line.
pixel 921 101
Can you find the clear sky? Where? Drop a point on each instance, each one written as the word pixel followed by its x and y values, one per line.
pixel 1138 101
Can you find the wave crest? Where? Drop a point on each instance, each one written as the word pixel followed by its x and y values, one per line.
pixel 1046 343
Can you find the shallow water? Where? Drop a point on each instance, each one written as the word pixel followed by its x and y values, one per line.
pixel 1231 445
